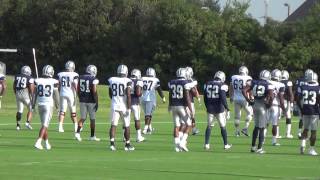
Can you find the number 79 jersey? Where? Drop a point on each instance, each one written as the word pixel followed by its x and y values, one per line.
pixel 309 94
pixel 176 90
pixel 118 86
pixel 45 88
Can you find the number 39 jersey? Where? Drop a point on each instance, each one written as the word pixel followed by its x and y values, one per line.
pixel 22 81
pixel 260 89
pixel 86 83
pixel 309 93
pixel 176 90
pixel 45 88
pixel 118 86
pixel 238 83
pixel 215 96
pixel 66 80
pixel 150 84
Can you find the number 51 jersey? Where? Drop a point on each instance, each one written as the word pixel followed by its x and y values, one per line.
pixel 86 83
pixel 309 94
pixel 118 86
pixel 45 88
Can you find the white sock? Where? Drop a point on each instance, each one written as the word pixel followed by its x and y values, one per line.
pixel 150 127
pixel 274 139
pixel 180 135
pixel 176 140
pixel 112 139
pixel 139 133
pixel 184 138
pixel 145 127
pixel 277 130
pixel 288 129
pixel 39 140
pixel 75 126
pixel 299 130
pixel 60 125
pixel 303 143
pixel 247 124
pixel 265 132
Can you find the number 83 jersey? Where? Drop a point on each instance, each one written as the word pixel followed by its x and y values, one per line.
pixel 45 88
pixel 309 95
pixel 118 86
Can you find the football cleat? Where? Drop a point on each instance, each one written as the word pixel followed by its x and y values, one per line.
pixel 112 148
pixel 77 137
pixel 18 128
pixel 60 130
pixel 28 126
pixel 289 136
pixel 245 131
pixel 302 149
pixel 128 147
pixel 177 148
pixel 94 138
pixel 237 133
pixel 275 144
pixel 48 146
pixel 140 139
pixel 278 137
pixel 312 152
pixel 195 131
pixel 183 146
pixel 253 149
pixel 227 146
pixel 207 146
pixel 260 151
pixel 38 145
pixel 299 136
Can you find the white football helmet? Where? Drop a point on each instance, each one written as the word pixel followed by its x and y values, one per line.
pixel 26 70
pixel 136 73
pixel 122 70
pixel 308 72
pixel 151 72
pixel 276 75
pixel 284 75
pixel 312 77
pixel 220 75
pixel 189 72
pixel 70 66
pixel 243 70
pixel 265 75
pixel 181 73
pixel 48 70
pixel 92 70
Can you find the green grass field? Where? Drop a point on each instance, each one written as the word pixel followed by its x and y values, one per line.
pixel 153 159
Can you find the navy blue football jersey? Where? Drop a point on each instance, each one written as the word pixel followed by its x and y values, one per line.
pixel 309 94
pixel 22 81
pixel 176 92
pixel 86 83
pixel 135 100
pixel 300 82
pixel 260 88
pixel 215 96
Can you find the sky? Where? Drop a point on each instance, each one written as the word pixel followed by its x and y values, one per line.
pixel 276 10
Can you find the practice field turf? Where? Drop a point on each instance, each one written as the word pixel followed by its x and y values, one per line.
pixel 153 159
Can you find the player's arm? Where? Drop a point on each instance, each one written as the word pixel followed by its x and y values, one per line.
pixel 186 96
pixel 223 96
pixel 160 92
pixel 56 98
pixel 128 93
pixel 281 97
pixel 34 99
pixel 290 94
pixel 13 86
pixel 231 92
pixel 269 98
pixel 245 92
pixel 31 88
pixel 138 91
pixel 95 95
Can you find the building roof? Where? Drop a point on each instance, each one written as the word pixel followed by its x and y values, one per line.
pixel 302 11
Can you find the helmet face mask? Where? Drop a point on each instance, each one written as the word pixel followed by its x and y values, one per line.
pixel 181 73
pixel 70 66
pixel 311 77
pixel 265 75
pixel 189 73
pixel 92 70
pixel 122 70
pixel 243 70
pixel 276 75
pixel 151 72
pixel 26 70
pixel 285 75
pixel 48 71
pixel 136 73
pixel 220 75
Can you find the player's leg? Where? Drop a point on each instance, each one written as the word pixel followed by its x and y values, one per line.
pixel 313 137
pixel 92 114
pixel 237 116
pixel 176 128
pixel 63 109
pixel 300 123
pixel 115 116
pixel 208 131
pixel 83 117
pixel 135 109
pixel 222 122
pixel 27 102
pixel 304 135
pixel 185 116
pixel 249 112
pixel 152 107
pixel 45 117
pixel 126 122
pixel 288 120
pixel 19 113
pixel 274 114
pixel 195 130
pixel 73 110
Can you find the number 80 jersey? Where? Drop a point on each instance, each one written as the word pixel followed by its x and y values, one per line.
pixel 309 93
pixel 45 88
pixel 118 86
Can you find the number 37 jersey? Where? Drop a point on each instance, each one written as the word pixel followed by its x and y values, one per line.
pixel 45 88
pixel 118 86
pixel 309 95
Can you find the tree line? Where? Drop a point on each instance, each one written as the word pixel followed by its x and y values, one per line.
pixel 164 34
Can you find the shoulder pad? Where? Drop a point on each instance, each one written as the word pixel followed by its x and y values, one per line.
pixel 224 87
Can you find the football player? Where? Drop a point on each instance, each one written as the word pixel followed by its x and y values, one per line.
pixel 278 102
pixel 120 94
pixel 149 99
pixel 3 84
pixel 288 101
pixel 262 92
pixel 88 97
pixel 215 99
pixel 238 82
pixel 68 80
pixel 309 96
pixel 180 106
pixel 193 93
pixel 44 95
pixel 136 93
pixel 23 87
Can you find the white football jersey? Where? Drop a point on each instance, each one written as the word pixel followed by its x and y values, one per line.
pixel 66 80
pixel 45 88
pixel 278 87
pixel 118 86
pixel 238 82
pixel 150 84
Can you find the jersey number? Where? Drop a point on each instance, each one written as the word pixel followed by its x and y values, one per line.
pixel 44 91
pixel 147 85
pixel 258 91
pixel 212 91
pixel 84 86
pixel 117 89
pixel 177 91
pixel 65 81
pixel 238 84
pixel 309 97
pixel 21 82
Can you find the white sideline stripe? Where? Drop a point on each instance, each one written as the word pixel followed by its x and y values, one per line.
pixel 162 122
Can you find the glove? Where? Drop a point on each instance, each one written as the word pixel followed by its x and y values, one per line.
pixel 228 115
pixel 96 107
pixel 164 100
